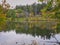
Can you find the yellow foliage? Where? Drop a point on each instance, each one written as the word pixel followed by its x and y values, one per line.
pixel 2 15
pixel 2 21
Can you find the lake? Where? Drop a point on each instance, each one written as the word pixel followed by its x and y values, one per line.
pixel 28 34
pixel 12 38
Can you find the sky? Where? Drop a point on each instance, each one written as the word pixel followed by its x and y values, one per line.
pixel 13 3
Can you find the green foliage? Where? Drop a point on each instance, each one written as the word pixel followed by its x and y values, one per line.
pixel 1 9
pixel 11 13
pixel 57 14
pixel 40 0
pixel 19 10
pixel 58 28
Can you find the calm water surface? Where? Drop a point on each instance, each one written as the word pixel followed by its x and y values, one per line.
pixel 29 33
pixel 13 38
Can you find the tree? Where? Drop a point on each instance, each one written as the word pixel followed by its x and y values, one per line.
pixel 34 9
pixel 11 14
pixel 2 18
pixel 52 7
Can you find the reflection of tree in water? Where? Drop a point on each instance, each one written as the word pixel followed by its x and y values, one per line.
pixel 35 30
pixel 27 29
pixel 9 26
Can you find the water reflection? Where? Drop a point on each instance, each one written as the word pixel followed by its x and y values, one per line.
pixel 26 33
pixel 11 38
pixel 31 28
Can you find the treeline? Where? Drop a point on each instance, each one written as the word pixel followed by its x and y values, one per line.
pixel 30 10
